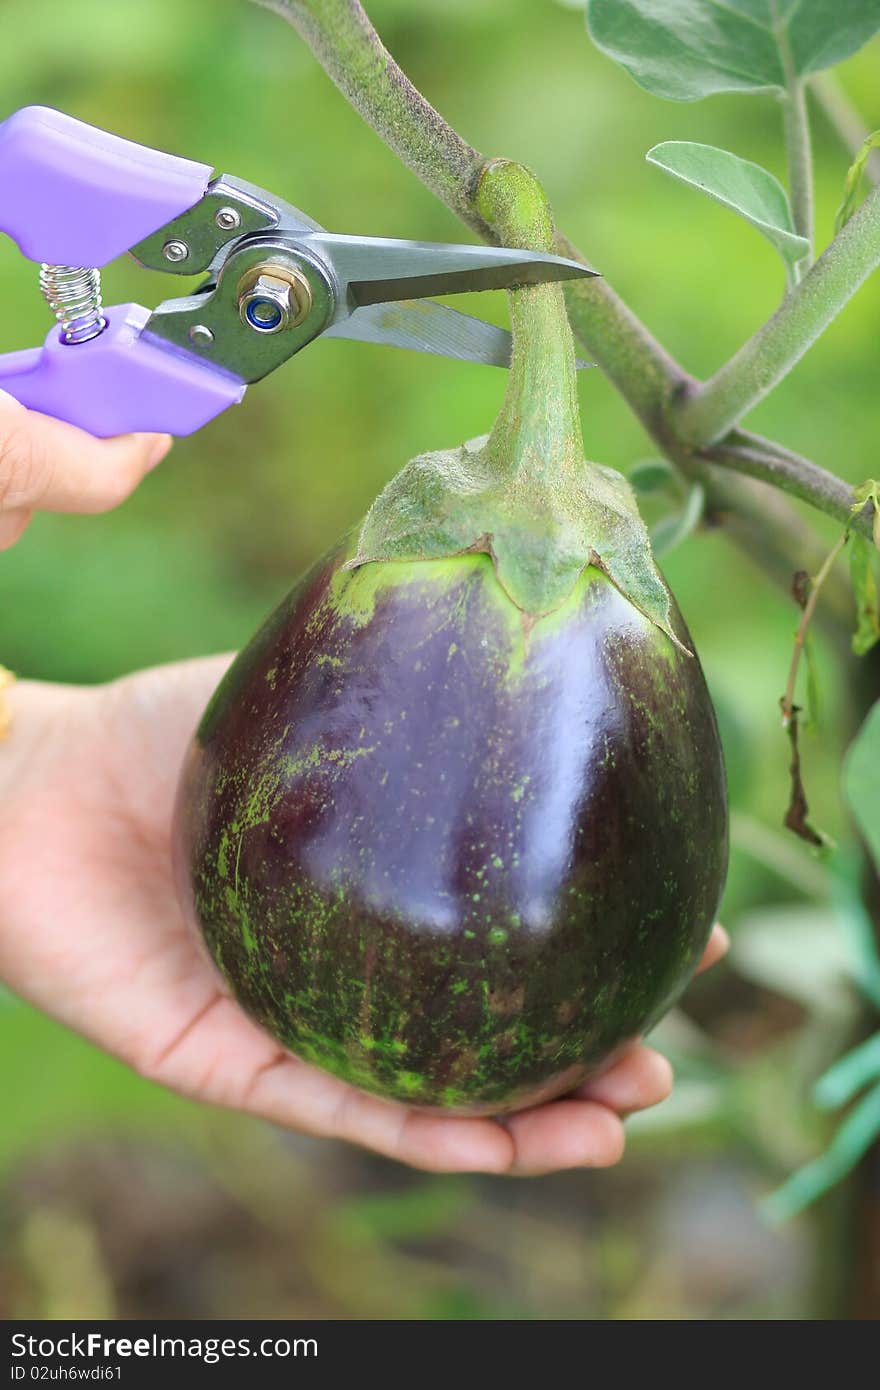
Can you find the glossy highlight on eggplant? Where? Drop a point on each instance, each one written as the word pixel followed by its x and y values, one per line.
pixel 453 854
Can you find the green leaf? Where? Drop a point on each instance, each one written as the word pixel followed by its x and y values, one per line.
pixel 738 184
pixel 854 1137
pixel 853 180
pixel 652 475
pixel 849 1075
pixel 861 781
pixel 864 581
pixel 687 49
pixel 672 530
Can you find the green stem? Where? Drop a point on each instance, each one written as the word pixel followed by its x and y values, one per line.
pixel 705 415
pixel 800 162
pixel 797 141
pixel 755 457
pixel 538 427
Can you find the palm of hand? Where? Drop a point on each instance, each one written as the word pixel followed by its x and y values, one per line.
pixel 91 932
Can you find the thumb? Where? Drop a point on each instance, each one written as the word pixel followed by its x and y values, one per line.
pixel 48 465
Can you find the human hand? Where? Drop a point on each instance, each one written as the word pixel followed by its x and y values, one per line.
pixel 47 465
pixel 91 933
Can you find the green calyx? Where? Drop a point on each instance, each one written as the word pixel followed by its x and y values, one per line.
pixel 524 493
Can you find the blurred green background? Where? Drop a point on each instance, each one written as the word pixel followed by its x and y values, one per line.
pixel 116 1199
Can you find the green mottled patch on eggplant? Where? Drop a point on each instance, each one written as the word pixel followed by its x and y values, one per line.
pixel 452 854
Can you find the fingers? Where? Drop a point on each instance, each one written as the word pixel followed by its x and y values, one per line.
pixel 214 1053
pixel 294 1094
pixel 434 1142
pixel 566 1134
pixel 639 1079
pixel 221 1057
pixel 716 948
pixel 569 1133
pixel 49 465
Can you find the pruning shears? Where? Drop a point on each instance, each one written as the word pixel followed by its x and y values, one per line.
pixel 75 197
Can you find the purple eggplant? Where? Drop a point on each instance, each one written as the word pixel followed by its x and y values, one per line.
pixel 455 857
pixel 454 824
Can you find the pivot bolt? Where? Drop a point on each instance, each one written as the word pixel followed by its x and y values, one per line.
pixel 272 297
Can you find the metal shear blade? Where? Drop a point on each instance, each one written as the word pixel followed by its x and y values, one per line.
pixel 375 270
pixel 423 325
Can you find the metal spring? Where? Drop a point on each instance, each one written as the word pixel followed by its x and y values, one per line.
pixel 73 293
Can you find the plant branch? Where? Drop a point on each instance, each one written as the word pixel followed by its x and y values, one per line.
pixel 798 476
pixel 648 378
pixel 705 414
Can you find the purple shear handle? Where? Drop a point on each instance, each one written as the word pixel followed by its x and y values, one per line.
pixel 74 195
pixel 119 382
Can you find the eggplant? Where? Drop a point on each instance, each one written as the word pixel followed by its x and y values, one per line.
pixel 453 857
pixel 454 825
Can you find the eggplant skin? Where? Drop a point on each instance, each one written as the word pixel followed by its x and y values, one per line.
pixel 453 855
